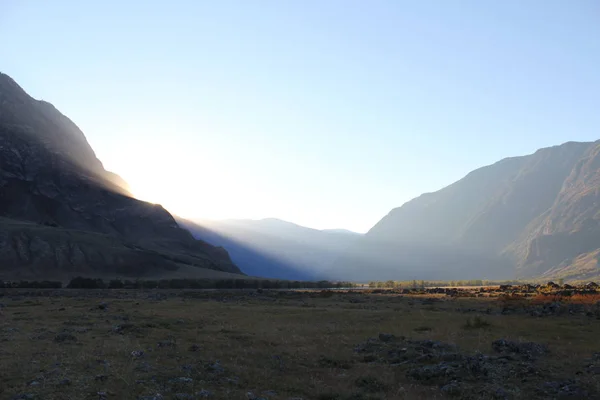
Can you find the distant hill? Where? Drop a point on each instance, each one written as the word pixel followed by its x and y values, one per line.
pixel 536 216
pixel 62 214
pixel 274 248
pixel 341 231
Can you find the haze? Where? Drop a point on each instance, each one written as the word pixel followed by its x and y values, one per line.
pixel 327 114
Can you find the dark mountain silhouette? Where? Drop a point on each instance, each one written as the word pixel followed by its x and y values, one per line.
pixel 62 214
pixel 530 216
pixel 274 248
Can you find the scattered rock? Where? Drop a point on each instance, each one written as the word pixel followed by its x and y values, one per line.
pixel 137 353
pixel 166 343
pixel 157 396
pixel 500 394
pixel 252 396
pixel 103 306
pixel 123 328
pixel 204 394
pixel 34 383
pixel 181 379
pixel 65 382
pixel 216 367
pixel 457 374
pixel 184 396
pixel 562 389
pixel 24 396
pixel 528 349
pixel 432 372
pixel 101 378
pixel 452 389
pixel 194 347
pixel 232 381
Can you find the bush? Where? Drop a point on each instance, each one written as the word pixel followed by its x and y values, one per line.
pixel 115 284
pixel 476 323
pixel 86 283
pixel 32 285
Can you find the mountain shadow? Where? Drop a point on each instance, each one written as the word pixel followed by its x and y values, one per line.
pixel 274 248
pixel 62 214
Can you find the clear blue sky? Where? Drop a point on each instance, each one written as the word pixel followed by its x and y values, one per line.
pixel 327 113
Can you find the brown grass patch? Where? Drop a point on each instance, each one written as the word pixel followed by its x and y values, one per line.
pixel 587 299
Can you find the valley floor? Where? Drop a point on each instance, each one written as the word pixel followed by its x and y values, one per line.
pixel 119 344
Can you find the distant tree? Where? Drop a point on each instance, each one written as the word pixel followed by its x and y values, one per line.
pixel 163 284
pixel 85 283
pixel 115 284
pixel 50 285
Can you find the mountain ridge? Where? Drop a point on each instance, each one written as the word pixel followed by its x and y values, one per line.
pixel 511 212
pixel 62 213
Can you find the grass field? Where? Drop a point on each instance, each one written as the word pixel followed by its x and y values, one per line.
pixel 116 344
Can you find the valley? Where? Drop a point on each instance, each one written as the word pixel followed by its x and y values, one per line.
pixel 480 343
pixel 299 200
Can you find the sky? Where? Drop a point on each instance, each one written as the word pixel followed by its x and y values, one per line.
pixel 326 113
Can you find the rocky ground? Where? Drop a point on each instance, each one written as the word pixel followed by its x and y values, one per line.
pixel 324 345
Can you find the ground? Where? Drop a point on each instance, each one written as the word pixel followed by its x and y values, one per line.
pixel 324 345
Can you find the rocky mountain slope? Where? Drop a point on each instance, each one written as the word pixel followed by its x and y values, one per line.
pixel 276 249
pixel 63 214
pixel 530 216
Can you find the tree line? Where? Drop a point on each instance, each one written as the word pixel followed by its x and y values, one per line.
pixel 92 283
pixel 31 284
pixel 421 284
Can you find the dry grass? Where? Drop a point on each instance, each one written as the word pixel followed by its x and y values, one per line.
pixel 587 299
pixel 297 345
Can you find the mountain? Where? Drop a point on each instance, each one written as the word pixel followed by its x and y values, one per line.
pixel 341 231
pixel 274 248
pixel 535 216
pixel 62 214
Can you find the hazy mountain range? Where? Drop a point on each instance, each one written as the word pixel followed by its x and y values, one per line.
pixel 275 248
pixel 62 214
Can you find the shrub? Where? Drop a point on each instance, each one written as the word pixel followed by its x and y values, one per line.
pixel 86 283
pixel 115 284
pixel 476 323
